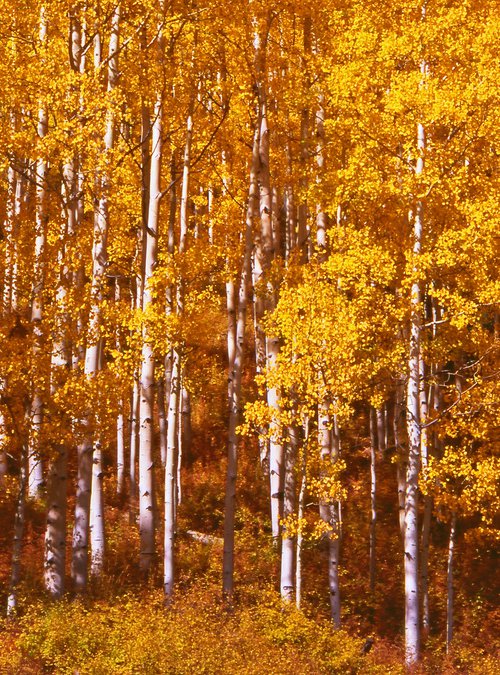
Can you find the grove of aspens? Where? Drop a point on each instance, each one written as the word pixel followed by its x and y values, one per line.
pixel 250 336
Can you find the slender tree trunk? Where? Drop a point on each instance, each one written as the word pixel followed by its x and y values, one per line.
pixel 82 512
pixel 373 499
pixel 35 469
pixel 97 534
pixel 424 572
pixel 180 449
pixel 234 387
pixel 321 217
pixel 120 420
pixel 94 346
pixel 175 386
pixel 449 582
pixel 9 229
pixel 96 519
pixel 381 430
pixel 303 240
pixel 412 619
pixel 400 458
pixel 170 479
pixel 264 255
pixel 236 310
pixel 330 514
pixel 300 517
pixel 162 417
pixel 134 449
pixel 426 522
pixel 288 545
pixel 276 450
pixel 120 449
pixel 17 544
pixel 147 380
pixel 3 454
pixel 55 531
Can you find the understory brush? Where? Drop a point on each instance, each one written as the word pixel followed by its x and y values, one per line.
pixel 196 634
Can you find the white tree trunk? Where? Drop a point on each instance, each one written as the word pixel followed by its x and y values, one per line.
pixel 94 364
pixel 55 530
pixel 97 534
pixel 276 451
pixel 373 499
pixel 300 516
pixel 147 379
pixel 9 229
pixel 303 240
pixel 287 576
pixel 449 582
pixel 79 563
pixel 171 466
pixel 94 345
pixel 17 544
pixel 134 449
pixel 35 469
pixel 170 479
pixel 400 457
pixel 236 311
pixel 329 512
pixel 162 416
pixel 236 341
pixel 412 612
pixel 321 217
pixel 120 422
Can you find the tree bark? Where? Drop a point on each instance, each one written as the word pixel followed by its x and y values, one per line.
pixel 97 533
pixel 373 499
pixel 236 311
pixel 449 582
pixel 17 544
pixel 170 479
pixel 147 379
pixel 412 611
pixel 35 468
pixel 288 545
pixel 300 516
pixel 329 513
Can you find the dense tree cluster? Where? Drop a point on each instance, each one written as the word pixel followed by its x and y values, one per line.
pixel 320 181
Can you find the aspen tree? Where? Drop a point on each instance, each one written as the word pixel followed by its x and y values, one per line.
pixel 175 400
pixel 300 516
pixel 449 582
pixel 427 515
pixel 55 530
pixel 303 241
pixel 412 610
pixel 236 307
pixel 10 228
pixel 120 420
pixel 89 466
pixel 19 525
pixel 267 346
pixel 373 498
pixel 35 469
pixel 146 462
pixel 329 513
pixel 288 542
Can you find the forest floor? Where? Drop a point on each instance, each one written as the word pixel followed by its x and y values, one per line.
pixel 123 626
